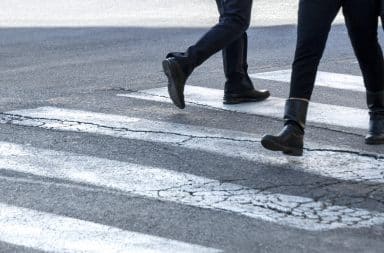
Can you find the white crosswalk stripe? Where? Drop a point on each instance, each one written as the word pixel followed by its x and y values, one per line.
pixel 54 233
pixel 324 79
pixel 183 188
pixel 332 115
pixel 323 160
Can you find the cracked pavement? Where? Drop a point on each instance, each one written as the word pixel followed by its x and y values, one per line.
pixel 345 190
pixel 317 213
pixel 301 212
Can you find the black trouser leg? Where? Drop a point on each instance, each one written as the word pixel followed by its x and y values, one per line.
pixel 234 21
pixel 235 54
pixel 315 19
pixel 362 23
pixel 236 66
pixel 234 58
pixel 314 24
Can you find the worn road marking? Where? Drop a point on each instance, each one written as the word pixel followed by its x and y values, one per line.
pixel 332 115
pixel 322 160
pixel 167 185
pixel 324 79
pixel 54 233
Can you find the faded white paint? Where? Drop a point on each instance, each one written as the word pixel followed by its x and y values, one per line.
pixel 141 128
pixel 331 115
pixel 157 183
pixel 53 233
pixel 340 165
pixel 324 79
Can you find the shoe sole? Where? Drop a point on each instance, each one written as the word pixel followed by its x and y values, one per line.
pixel 268 144
pixel 374 142
pixel 173 83
pixel 245 100
pixel 234 101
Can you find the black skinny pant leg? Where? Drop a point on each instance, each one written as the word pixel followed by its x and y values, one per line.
pixel 235 59
pixel 234 21
pixel 314 24
pixel 235 54
pixel 362 23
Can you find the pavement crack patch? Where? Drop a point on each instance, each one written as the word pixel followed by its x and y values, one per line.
pixel 119 89
pixel 10 118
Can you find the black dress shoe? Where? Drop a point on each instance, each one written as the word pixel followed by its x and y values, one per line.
pixel 246 96
pixel 176 81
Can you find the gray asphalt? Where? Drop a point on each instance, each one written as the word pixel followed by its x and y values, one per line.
pixel 85 67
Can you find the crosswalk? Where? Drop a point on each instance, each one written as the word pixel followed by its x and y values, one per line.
pixel 52 232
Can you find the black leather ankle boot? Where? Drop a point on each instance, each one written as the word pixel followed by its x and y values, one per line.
pixel 291 139
pixel 375 101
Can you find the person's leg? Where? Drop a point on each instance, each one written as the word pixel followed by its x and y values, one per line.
pixel 362 23
pixel 233 59
pixel 238 87
pixel 234 21
pixel 315 20
pixel 233 54
pixel 314 24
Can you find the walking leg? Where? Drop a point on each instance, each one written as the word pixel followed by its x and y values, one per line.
pixel 315 19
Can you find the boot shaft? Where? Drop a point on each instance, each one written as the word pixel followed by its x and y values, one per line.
pixel 375 101
pixel 296 112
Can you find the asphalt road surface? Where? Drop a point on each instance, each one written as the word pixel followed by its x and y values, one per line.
pixel 95 158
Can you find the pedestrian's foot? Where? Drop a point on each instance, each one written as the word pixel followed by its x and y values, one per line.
pixel 247 96
pixel 374 139
pixel 289 141
pixel 176 81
